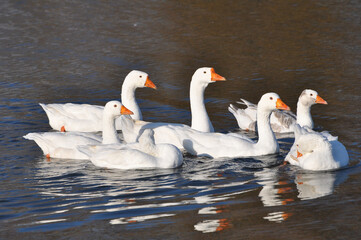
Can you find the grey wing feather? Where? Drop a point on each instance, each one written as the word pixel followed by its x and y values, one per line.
pixel 286 118
pixel 247 103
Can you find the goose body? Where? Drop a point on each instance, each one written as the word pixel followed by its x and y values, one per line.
pixel 281 121
pixel 229 145
pixel 213 144
pixel 144 154
pixel 163 132
pixel 317 151
pixel 88 118
pixel 64 144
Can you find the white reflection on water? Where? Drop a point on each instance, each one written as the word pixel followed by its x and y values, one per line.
pixel 315 185
pixel 277 216
pixel 207 186
pixel 49 221
pixel 138 218
pixel 273 193
pixel 209 199
pixel 116 192
pixel 221 223
pixel 207 226
pixel 307 184
pixel 127 207
pixel 215 225
pixel 272 188
pixel 208 210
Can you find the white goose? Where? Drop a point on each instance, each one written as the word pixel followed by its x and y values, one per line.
pixel 200 80
pixel 141 155
pixel 229 145
pixel 299 131
pixel 317 151
pixel 63 144
pixel 88 118
pixel 216 144
pixel 281 121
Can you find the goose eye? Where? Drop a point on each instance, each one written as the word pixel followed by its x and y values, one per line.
pixel 271 98
pixel 297 145
pixel 140 76
pixel 311 94
pixel 115 105
pixel 204 72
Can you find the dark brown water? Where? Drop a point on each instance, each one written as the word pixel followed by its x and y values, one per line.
pixel 80 51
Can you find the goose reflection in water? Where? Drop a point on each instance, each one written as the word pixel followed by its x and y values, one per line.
pixel 277 216
pixel 216 225
pixel 208 186
pixel 308 185
pixel 213 225
pixel 106 191
pixel 312 185
pixel 274 192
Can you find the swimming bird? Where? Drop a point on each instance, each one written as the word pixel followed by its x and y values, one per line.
pixel 281 121
pixel 63 144
pixel 143 154
pixel 317 151
pixel 88 118
pixel 229 145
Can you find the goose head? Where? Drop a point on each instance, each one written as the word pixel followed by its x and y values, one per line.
pixel 272 101
pixel 310 97
pixel 139 79
pixel 308 143
pixel 115 109
pixel 206 75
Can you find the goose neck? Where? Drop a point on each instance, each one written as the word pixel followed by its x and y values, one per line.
pixel 200 119
pixel 129 101
pixel 304 118
pixel 266 137
pixel 109 133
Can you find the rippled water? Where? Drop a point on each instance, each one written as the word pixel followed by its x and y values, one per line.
pixel 80 51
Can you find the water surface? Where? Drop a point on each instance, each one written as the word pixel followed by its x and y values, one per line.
pixel 80 51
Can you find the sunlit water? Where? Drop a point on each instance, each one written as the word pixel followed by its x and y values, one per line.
pixel 80 51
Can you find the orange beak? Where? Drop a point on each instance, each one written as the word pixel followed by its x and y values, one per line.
pixel 149 84
pixel 320 100
pixel 216 77
pixel 281 105
pixel 299 154
pixel 125 111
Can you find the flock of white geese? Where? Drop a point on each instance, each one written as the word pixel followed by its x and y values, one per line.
pixel 160 145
